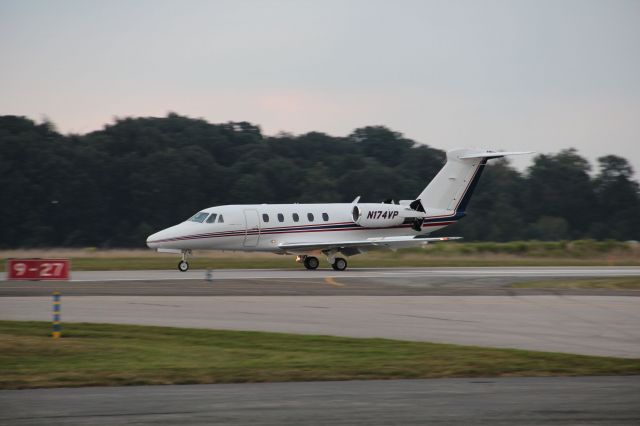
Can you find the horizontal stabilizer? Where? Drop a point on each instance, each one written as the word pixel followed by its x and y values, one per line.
pixel 493 154
pixel 451 188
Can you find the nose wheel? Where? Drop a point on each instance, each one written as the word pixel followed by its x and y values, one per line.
pixel 183 266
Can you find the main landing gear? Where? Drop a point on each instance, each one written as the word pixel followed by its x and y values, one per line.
pixel 183 265
pixel 339 264
pixel 312 262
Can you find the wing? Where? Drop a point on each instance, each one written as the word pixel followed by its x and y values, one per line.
pixel 369 243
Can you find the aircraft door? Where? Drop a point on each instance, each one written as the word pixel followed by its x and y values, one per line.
pixel 252 228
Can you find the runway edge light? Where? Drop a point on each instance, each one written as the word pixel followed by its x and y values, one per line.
pixel 57 328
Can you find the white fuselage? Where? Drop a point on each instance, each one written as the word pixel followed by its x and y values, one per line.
pixel 263 227
pixel 331 229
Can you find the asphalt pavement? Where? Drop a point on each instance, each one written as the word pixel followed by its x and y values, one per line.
pixel 301 273
pixel 474 306
pixel 356 282
pixel 589 325
pixel 491 401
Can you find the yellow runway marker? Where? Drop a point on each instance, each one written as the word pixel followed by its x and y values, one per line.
pixel 331 281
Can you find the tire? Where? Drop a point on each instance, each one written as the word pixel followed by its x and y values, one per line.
pixel 183 266
pixel 311 262
pixel 340 264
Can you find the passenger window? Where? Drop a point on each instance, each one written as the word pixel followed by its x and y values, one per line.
pixel 310 217
pixel 325 217
pixel 220 219
pixel 295 216
pixel 280 217
pixel 212 218
pixel 265 217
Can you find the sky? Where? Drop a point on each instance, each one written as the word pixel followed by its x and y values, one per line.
pixel 539 75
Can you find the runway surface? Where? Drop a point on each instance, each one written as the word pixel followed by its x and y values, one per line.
pixel 498 401
pixel 590 325
pixel 457 272
pixel 243 274
pixel 364 282
pixel 472 306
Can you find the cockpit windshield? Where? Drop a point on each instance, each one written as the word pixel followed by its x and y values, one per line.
pixel 199 217
pixel 212 218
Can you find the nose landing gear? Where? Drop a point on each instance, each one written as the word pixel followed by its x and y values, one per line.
pixel 183 265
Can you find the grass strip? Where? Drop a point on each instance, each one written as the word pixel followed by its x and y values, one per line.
pixel 609 283
pixel 105 354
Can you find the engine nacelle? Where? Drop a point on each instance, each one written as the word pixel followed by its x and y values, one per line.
pixel 383 215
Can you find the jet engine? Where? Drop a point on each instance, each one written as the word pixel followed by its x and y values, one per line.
pixel 384 215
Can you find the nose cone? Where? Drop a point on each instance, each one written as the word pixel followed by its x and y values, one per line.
pixel 170 237
pixel 162 238
pixel 153 240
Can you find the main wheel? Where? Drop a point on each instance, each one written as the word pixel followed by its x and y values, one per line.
pixel 311 262
pixel 183 266
pixel 340 264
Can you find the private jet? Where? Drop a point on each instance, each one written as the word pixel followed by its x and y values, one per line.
pixel 336 229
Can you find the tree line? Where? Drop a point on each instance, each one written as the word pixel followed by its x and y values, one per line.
pixel 115 186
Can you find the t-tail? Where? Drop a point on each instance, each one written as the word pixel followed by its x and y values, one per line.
pixel 449 192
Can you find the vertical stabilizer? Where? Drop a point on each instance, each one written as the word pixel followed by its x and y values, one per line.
pixel 452 187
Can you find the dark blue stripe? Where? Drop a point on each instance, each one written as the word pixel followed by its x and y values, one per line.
pixel 462 206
